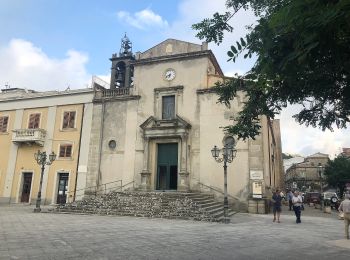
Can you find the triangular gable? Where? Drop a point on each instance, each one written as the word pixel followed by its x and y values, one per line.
pixel 318 155
pixel 152 123
pixel 170 47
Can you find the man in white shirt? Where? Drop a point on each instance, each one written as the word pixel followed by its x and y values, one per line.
pixel 297 201
pixel 345 208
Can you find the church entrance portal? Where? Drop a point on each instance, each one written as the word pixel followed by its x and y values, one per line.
pixel 167 166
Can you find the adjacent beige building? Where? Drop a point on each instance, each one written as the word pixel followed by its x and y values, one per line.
pixel 46 121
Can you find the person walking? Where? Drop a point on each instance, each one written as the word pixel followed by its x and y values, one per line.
pixel 297 200
pixel 289 198
pixel 344 208
pixel 277 205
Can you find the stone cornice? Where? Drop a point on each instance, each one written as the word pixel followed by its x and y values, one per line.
pixel 181 56
pixel 205 91
pixel 174 88
pixel 117 98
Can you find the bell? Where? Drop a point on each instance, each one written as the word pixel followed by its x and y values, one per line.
pixel 119 78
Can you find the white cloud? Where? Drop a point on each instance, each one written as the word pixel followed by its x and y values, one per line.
pixel 24 65
pixel 304 140
pixel 143 19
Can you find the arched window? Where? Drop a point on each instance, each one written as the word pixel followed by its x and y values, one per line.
pixel 120 75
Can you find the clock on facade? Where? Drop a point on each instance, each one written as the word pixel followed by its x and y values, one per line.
pixel 169 74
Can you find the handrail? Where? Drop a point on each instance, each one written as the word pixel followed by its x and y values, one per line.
pixel 217 190
pixel 116 92
pixel 131 182
pixel 95 189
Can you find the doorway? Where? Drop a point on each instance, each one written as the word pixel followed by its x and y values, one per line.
pixel 62 188
pixel 167 166
pixel 27 184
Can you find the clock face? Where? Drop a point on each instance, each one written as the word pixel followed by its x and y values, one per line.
pixel 170 74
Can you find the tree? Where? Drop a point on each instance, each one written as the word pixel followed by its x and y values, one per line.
pixel 337 172
pixel 303 57
pixel 286 156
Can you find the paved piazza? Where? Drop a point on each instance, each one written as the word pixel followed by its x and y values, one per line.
pixel 28 235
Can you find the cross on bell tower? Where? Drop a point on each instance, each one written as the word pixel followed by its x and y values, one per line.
pixel 122 71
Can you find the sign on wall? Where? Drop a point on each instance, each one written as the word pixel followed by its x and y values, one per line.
pixel 256 175
pixel 257 190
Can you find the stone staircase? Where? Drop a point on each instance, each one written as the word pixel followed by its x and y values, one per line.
pixel 174 205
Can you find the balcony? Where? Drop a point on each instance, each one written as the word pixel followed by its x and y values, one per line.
pixel 29 136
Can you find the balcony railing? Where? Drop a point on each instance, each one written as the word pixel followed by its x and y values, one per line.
pixel 112 93
pixel 116 92
pixel 29 136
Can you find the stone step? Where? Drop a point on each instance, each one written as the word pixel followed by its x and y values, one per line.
pixel 184 205
pixel 213 205
pixel 139 214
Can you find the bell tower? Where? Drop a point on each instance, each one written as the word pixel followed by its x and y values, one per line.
pixel 122 72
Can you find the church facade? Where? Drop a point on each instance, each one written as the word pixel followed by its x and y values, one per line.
pixel 154 128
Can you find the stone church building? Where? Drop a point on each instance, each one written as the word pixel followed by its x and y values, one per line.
pixel 154 125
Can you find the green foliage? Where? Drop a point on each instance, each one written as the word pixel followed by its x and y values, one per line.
pixel 303 57
pixel 337 172
pixel 286 156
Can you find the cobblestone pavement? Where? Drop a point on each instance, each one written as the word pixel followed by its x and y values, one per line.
pixel 28 235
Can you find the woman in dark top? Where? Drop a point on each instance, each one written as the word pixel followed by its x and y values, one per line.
pixel 277 204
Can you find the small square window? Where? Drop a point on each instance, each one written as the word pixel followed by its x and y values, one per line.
pixel 3 124
pixel 65 151
pixel 34 121
pixel 68 119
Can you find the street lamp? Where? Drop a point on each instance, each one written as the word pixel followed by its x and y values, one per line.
pixel 321 184
pixel 228 153
pixel 41 159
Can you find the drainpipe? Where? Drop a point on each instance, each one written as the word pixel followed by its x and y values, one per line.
pixel 77 169
pixel 101 140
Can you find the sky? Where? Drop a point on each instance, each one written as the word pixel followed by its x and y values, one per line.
pixel 52 45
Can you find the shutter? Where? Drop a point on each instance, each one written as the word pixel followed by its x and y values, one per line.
pixel 37 121
pixel 68 151
pixel 62 151
pixel 65 120
pixel 31 121
pixel 71 119
pixel 3 124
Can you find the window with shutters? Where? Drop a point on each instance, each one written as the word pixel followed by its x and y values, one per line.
pixel 168 107
pixel 3 123
pixel 65 151
pixel 68 119
pixel 34 121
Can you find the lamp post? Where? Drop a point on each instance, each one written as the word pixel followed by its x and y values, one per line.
pixel 41 159
pixel 321 184
pixel 228 153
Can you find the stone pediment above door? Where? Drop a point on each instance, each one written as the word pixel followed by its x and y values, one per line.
pixel 165 128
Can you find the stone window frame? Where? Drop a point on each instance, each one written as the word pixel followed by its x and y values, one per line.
pixel 4 130
pixel 159 93
pixel 65 144
pixel 62 128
